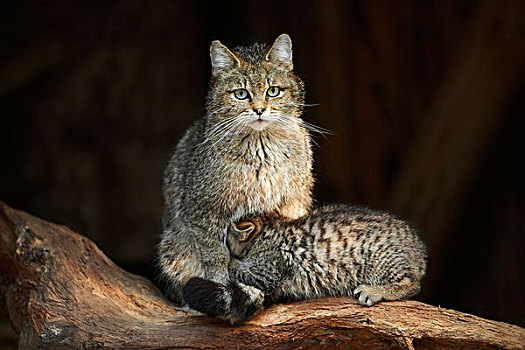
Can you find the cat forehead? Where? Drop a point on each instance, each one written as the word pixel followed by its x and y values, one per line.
pixel 250 67
pixel 252 54
pixel 255 75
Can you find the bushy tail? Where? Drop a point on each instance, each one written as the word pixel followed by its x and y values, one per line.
pixel 234 302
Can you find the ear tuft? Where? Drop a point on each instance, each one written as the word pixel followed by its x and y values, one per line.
pixel 281 52
pixel 222 58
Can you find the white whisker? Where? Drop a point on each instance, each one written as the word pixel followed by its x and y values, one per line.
pixel 305 104
pixel 230 130
pixel 316 128
pixel 219 130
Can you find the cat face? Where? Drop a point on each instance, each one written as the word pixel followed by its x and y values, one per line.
pixel 253 88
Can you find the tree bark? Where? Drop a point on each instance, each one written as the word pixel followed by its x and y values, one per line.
pixel 61 292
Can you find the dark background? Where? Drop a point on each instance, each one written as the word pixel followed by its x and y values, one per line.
pixel 426 100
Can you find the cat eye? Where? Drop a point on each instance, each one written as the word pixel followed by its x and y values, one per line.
pixel 273 91
pixel 241 94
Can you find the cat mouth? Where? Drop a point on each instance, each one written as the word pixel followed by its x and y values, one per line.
pixel 258 124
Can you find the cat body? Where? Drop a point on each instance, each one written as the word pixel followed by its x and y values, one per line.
pixel 250 154
pixel 335 250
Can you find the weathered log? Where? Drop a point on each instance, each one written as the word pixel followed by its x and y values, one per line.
pixel 60 291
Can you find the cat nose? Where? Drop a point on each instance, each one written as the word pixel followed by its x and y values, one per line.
pixel 259 110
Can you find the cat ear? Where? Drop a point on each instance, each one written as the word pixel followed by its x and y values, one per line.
pixel 281 52
pixel 222 58
pixel 246 230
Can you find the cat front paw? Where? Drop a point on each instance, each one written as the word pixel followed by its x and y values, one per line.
pixel 368 295
pixel 246 303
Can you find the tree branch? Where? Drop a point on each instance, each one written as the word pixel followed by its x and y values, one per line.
pixel 60 291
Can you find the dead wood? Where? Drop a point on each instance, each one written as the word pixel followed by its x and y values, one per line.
pixel 61 292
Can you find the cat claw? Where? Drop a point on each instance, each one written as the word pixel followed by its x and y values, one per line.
pixel 367 295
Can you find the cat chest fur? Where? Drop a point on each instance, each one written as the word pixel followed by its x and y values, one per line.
pixel 264 177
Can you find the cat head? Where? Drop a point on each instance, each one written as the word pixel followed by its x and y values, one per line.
pixel 254 86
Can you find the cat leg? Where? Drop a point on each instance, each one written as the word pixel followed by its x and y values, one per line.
pixel 187 251
pixel 214 258
pixel 247 300
pixel 178 263
pixel 368 295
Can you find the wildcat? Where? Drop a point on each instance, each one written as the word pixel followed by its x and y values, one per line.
pixel 335 250
pixel 249 154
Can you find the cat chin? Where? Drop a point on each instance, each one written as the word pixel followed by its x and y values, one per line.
pixel 259 124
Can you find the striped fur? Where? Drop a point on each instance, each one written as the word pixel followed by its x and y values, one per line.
pixel 335 250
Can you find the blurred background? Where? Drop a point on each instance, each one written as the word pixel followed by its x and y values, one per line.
pixel 426 100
